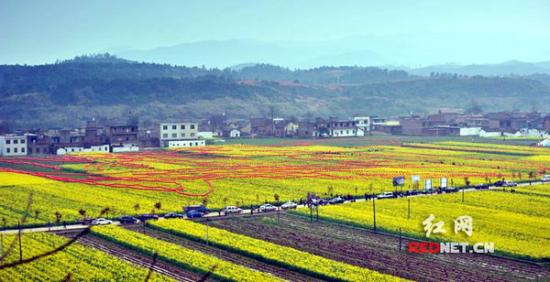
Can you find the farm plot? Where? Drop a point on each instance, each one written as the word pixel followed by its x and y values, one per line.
pixel 180 256
pixel 233 257
pixel 77 262
pixel 161 181
pixel 263 250
pixel 379 252
pixel 518 224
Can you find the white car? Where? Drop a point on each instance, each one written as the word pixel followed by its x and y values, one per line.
pixel 546 178
pixel 232 209
pixel 289 205
pixel 101 221
pixel 267 208
pixel 385 195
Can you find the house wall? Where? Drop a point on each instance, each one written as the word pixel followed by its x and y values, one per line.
pixel 470 131
pixel 186 143
pixel 234 133
pixel 178 131
pixel 69 150
pixel 13 145
pixel 343 132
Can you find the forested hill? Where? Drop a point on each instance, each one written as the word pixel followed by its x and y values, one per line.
pixel 105 87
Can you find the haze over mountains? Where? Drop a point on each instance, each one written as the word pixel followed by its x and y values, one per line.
pixel 112 89
pixel 388 52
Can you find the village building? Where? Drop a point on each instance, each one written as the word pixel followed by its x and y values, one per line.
pixel 13 145
pixel 342 128
pixel 186 143
pixel 148 138
pixel 38 144
pixel 124 138
pixel 178 131
pixel 412 125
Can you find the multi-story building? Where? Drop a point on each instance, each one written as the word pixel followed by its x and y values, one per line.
pixel 13 145
pixel 345 128
pixel 412 125
pixel 176 131
pixel 124 136
pixel 363 124
pixel 38 144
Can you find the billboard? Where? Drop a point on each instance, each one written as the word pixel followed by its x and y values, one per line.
pixel 444 182
pixel 399 181
pixel 427 184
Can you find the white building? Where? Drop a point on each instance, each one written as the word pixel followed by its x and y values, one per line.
pixel 13 145
pixel 177 131
pixel 205 135
pixel 470 131
pixel 123 149
pixel 363 124
pixel 234 133
pixel 186 143
pixel 96 149
pixel 544 143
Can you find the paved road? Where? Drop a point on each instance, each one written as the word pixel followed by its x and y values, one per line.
pixel 216 214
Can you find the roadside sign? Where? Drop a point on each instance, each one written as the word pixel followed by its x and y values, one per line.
pixel 399 181
pixel 444 182
pixel 428 184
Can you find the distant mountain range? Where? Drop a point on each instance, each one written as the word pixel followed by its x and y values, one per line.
pixel 405 54
pixel 111 90
pixel 504 69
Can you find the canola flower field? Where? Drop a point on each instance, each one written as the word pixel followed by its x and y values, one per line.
pixel 68 188
pixel 517 223
pixel 181 256
pixel 75 263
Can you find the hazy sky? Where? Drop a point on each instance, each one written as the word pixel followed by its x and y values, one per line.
pixel 36 32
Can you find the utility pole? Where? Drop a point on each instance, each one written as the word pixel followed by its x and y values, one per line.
pixel 317 209
pixel 206 231
pixel 400 240
pixel 19 237
pixel 374 212
pixel 408 208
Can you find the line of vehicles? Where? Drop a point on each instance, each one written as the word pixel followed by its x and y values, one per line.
pixel 196 211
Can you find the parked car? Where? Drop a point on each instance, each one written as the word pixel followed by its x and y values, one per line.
pixel 385 195
pixel 194 213
pixel 319 202
pixel 232 209
pixel 482 186
pixel 174 215
pixel 545 178
pixel 499 183
pixel 450 190
pixel 335 201
pixel 101 221
pixel 289 205
pixel 145 217
pixel 200 208
pixel 509 184
pixel 267 208
pixel 128 220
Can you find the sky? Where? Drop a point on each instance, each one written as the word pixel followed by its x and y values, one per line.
pixel 40 31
